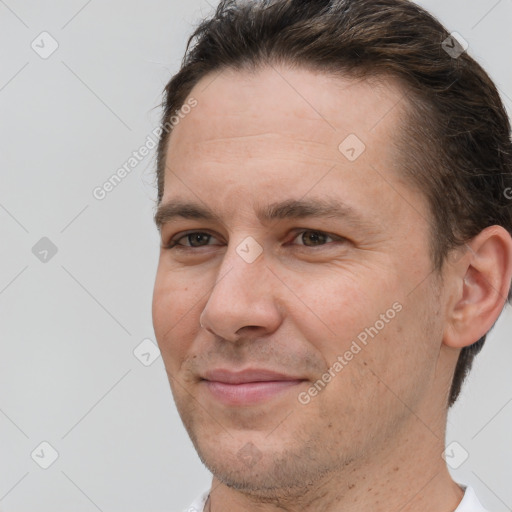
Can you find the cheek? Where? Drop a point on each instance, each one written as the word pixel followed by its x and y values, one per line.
pixel 383 337
pixel 175 310
pixel 333 310
pixel 398 359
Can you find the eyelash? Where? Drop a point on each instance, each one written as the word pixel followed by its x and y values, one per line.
pixel 173 243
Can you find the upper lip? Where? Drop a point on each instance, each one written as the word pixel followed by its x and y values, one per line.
pixel 244 376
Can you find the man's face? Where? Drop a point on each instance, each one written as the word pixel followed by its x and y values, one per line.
pixel 283 299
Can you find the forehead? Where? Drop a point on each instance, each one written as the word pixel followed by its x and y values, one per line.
pixel 274 98
pixel 278 133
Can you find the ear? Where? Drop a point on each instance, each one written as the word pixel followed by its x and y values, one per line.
pixel 480 281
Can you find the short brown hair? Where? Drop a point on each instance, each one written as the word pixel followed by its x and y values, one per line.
pixel 456 148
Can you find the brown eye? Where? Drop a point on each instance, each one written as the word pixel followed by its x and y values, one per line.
pixel 192 239
pixel 313 238
pixel 198 239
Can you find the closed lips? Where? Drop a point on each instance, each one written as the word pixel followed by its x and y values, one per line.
pixel 248 387
pixel 246 376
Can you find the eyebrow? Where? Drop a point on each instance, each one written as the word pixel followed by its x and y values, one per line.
pixel 288 209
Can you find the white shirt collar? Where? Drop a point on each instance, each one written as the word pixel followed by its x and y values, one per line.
pixel 469 502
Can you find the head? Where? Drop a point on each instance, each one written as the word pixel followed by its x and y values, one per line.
pixel 303 106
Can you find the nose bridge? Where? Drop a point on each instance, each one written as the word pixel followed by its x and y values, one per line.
pixel 242 295
pixel 244 263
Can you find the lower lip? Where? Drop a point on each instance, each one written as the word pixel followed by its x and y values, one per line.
pixel 249 392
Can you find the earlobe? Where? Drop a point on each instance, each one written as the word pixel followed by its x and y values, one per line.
pixel 483 278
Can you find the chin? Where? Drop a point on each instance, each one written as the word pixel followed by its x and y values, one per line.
pixel 264 472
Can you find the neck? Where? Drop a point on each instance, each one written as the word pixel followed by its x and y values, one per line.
pixel 388 479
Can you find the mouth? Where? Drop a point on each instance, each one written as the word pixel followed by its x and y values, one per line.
pixel 247 387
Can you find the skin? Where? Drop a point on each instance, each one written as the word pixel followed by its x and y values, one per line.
pixel 373 437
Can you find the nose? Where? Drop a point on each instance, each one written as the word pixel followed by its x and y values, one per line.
pixel 243 301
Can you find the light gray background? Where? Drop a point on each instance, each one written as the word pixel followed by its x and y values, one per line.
pixel 68 374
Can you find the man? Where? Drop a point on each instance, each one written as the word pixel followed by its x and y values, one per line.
pixel 336 245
